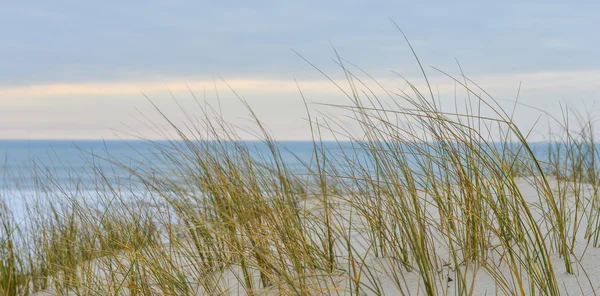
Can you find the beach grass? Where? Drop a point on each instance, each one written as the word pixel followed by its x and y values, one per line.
pixel 423 201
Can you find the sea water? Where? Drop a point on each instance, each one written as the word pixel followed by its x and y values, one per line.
pixel 30 169
pixel 35 169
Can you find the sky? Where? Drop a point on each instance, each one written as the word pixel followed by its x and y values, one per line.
pixel 84 70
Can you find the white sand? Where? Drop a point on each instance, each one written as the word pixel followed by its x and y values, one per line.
pixel 585 280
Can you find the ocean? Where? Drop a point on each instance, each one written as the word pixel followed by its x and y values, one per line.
pixel 30 168
pixel 42 169
pixel 27 164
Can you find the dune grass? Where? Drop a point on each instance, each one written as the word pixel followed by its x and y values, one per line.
pixel 422 201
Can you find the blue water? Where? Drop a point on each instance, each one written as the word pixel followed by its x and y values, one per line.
pixel 35 164
pixel 39 164
pixel 43 168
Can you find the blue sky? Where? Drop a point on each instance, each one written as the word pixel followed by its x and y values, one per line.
pixel 76 69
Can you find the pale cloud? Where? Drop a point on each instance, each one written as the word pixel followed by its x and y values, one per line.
pixel 74 69
pixel 547 81
pixel 535 81
pixel 96 110
pixel 242 85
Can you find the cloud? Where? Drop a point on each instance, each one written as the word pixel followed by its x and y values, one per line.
pixel 533 81
pixel 75 42
pixel 123 88
pixel 78 66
